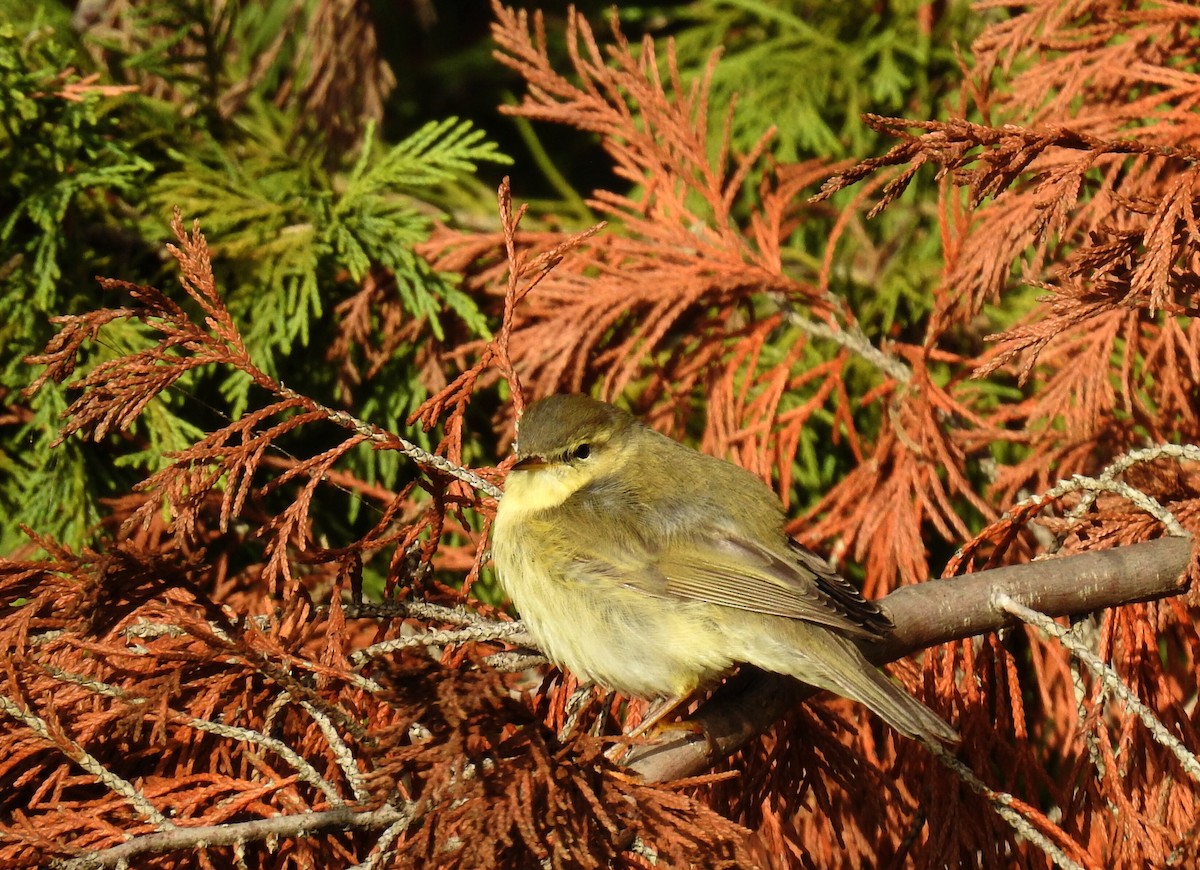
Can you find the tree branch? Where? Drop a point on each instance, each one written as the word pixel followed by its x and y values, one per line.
pixel 927 614
pixel 233 833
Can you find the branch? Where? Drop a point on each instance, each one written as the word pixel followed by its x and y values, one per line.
pixel 1108 678
pixel 513 632
pixel 74 751
pixel 927 614
pixel 1005 152
pixel 403 445
pixel 234 833
pixel 852 338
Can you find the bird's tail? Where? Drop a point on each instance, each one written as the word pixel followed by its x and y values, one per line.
pixel 893 704
pixel 830 661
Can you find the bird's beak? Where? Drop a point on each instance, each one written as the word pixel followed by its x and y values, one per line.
pixel 530 463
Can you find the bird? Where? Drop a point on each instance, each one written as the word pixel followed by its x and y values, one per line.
pixel 649 568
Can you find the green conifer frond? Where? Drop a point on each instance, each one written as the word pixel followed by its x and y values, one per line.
pixel 296 222
pixel 296 228
pixel 61 151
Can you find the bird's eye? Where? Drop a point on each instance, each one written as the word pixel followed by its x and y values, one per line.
pixel 583 451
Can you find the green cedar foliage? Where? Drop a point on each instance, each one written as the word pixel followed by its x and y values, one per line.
pixel 296 222
pixel 811 69
pixel 65 168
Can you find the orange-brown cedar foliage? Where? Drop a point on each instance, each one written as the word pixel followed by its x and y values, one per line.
pixel 1095 205
pixel 122 667
pixel 155 687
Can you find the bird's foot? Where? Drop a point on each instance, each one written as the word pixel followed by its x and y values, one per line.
pixel 657 732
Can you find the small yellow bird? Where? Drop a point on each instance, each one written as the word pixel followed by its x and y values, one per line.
pixel 652 569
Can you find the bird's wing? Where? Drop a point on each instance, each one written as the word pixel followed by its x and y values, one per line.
pixel 723 568
pixel 706 560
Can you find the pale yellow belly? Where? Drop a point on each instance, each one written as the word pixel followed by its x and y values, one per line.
pixel 592 626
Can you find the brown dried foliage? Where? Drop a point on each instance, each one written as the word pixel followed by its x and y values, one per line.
pixel 1080 179
pixel 675 285
pixel 339 82
pixel 687 299
pixel 1097 206
pixel 210 697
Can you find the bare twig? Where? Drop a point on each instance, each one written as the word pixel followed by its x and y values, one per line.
pixel 417 609
pixel 389 439
pixel 1003 805
pixel 510 631
pixel 233 833
pixel 1095 485
pixel 1121 464
pixel 341 752
pixel 1107 676
pixel 127 790
pixel 853 339
pixel 303 769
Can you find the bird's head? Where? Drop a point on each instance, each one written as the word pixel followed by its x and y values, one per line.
pixel 564 442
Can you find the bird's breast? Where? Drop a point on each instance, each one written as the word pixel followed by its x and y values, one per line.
pixel 587 620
